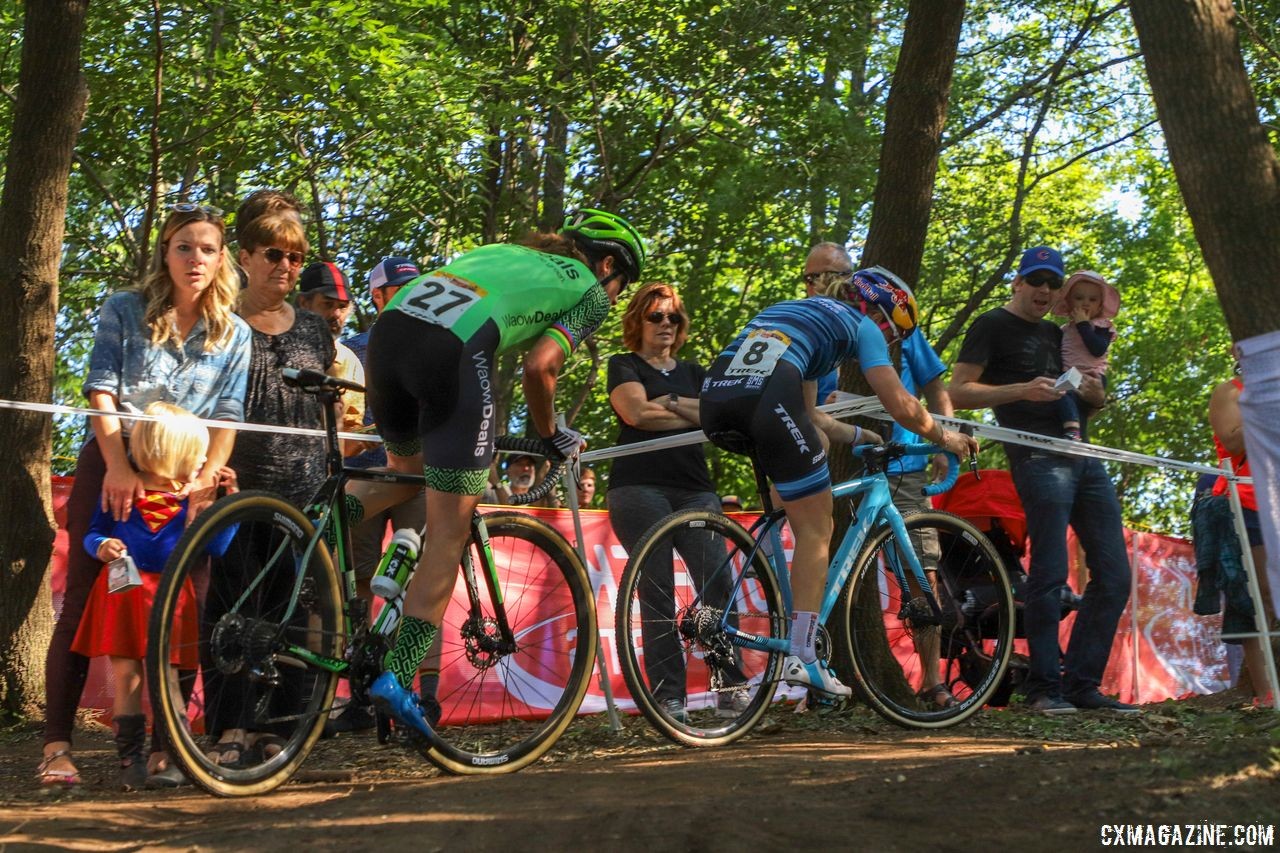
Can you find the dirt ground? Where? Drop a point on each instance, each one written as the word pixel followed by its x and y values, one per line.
pixel 842 779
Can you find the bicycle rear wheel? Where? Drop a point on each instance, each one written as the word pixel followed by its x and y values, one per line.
pixel 504 707
pixel 241 664
pixel 684 673
pixel 889 639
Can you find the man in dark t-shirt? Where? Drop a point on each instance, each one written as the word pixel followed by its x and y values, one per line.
pixel 1009 361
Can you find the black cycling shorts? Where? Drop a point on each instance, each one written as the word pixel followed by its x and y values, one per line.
pixel 772 413
pixel 425 385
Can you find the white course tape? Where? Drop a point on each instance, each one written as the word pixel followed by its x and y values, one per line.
pixel 853 406
pixel 239 426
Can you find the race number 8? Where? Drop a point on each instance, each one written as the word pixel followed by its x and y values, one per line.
pixel 440 300
pixel 759 354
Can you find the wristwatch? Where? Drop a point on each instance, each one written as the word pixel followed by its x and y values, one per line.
pixel 672 400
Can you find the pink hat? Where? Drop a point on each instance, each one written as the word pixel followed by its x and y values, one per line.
pixel 1110 296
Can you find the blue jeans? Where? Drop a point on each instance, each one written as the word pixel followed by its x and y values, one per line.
pixel 1057 490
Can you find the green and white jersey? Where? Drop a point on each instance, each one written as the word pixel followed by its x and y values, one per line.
pixel 526 293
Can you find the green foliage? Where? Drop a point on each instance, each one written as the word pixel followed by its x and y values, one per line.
pixel 733 134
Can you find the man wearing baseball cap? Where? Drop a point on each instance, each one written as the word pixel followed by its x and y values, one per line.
pixel 1009 361
pixel 323 290
pixel 386 279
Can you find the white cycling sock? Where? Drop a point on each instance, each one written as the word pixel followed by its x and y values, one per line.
pixel 804 628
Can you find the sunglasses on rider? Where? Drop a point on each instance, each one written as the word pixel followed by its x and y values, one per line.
pixel 275 256
pixel 1040 279
pixel 656 318
pixel 189 207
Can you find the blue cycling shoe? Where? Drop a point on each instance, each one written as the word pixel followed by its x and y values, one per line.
pixel 400 704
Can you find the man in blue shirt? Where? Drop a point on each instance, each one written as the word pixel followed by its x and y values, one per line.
pixel 921 372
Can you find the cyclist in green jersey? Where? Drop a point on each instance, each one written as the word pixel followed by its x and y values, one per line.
pixel 431 361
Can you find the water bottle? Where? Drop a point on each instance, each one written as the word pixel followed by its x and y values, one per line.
pixel 397 564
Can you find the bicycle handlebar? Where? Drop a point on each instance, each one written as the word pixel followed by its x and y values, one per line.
pixel 953 474
pixel 313 380
pixel 533 447
pixel 882 454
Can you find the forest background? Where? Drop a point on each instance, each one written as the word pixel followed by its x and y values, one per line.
pixel 732 134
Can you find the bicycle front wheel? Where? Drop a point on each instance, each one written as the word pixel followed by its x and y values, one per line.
pixel 506 703
pixel 897 645
pixel 686 586
pixel 242 667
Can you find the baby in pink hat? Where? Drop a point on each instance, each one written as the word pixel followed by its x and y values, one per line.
pixel 1090 301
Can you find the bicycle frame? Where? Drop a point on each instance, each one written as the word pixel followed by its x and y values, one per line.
pixel 328 510
pixel 875 510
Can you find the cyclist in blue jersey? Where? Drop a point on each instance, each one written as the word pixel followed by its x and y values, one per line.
pixel 432 353
pixel 764 385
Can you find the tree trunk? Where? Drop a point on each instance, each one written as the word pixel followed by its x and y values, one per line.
pixel 1226 170
pixel 48 114
pixel 914 117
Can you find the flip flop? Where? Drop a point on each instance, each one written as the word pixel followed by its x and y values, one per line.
pixel 266 746
pixel 64 778
pixel 218 753
pixel 938 697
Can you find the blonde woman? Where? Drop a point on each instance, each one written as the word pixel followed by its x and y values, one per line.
pixel 175 339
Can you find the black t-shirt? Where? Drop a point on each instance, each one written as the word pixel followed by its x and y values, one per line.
pixel 292 466
pixel 680 467
pixel 1011 349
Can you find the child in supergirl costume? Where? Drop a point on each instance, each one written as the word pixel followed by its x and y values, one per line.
pixel 168 452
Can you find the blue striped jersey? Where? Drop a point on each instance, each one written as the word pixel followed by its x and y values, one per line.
pixel 816 335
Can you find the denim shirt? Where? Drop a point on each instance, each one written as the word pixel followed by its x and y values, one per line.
pixel 125 364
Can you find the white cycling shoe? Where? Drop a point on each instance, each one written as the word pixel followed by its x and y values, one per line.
pixel 815 676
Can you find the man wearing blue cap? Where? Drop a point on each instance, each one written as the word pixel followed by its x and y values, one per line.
pixel 1009 361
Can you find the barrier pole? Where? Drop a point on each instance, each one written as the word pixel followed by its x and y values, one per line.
pixel 1262 633
pixel 1134 592
pixel 570 480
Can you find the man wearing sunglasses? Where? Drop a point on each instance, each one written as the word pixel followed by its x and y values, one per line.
pixel 1009 361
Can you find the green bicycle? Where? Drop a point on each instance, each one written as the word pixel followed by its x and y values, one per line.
pixel 282 623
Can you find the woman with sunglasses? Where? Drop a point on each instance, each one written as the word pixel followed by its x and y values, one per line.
pixel 655 395
pixel 764 385
pixel 174 339
pixel 273 246
pixel 272 249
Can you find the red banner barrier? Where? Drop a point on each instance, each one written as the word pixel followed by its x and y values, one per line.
pixel 1161 649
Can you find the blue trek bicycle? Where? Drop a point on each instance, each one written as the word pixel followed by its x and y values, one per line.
pixel 911 603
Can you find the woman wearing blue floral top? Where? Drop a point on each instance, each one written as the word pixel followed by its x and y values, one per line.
pixel 176 339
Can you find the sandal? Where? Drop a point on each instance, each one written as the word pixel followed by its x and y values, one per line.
pixel 266 746
pixel 938 697
pixel 218 753
pixel 49 776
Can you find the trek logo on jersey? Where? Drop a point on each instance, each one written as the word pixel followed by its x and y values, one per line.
pixel 790 424
pixel 486 396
